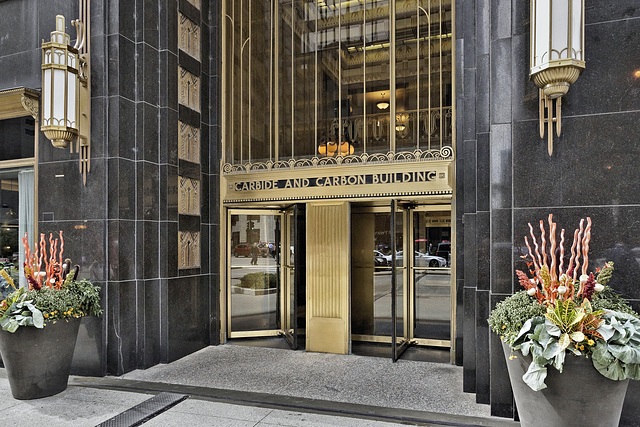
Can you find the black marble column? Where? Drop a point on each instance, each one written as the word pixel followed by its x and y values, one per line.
pixel 506 179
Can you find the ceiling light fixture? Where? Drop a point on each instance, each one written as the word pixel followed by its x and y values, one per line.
pixel 382 105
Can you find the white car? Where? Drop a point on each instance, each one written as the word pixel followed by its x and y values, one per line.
pixel 381 259
pixel 423 260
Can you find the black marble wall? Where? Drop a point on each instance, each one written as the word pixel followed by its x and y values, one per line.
pixel 506 178
pixel 122 227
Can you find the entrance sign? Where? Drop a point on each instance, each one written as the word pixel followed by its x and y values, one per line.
pixel 322 183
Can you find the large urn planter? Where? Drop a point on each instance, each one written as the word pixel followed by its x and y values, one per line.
pixel 566 400
pixel 571 342
pixel 38 361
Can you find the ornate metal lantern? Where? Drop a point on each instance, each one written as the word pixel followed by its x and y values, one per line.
pixel 59 88
pixel 66 89
pixel 557 54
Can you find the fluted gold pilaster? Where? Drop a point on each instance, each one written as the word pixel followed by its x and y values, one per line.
pixel 328 268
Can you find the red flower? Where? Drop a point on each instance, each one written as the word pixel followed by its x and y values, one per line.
pixel 589 287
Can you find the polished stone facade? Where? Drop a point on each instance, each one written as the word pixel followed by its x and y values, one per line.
pixel 123 226
pixel 506 179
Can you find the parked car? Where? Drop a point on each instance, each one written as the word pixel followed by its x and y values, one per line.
pixel 444 250
pixel 423 260
pixel 242 249
pixel 381 259
pixel 263 249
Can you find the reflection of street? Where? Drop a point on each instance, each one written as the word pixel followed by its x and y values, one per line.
pixel 253 312
pixel 432 303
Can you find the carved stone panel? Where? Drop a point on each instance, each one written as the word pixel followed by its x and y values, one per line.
pixel 188 89
pixel 189 36
pixel 188 142
pixel 188 196
pixel 189 250
pixel 195 3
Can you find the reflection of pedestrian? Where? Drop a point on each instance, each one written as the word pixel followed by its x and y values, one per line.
pixel 254 254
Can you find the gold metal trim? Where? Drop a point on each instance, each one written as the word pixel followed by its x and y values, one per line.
pixel 17 163
pixel 433 343
pixel 255 334
pixel 371 338
pixel 19 102
pixel 445 153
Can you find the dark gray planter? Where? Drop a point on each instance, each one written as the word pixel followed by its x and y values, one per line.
pixel 579 396
pixel 38 361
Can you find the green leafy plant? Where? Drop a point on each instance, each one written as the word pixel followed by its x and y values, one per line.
pixel 51 295
pixel 258 281
pixel 561 313
pixel 18 311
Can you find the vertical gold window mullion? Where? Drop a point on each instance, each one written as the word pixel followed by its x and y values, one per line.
pixel 276 81
pixel 440 75
pixel 250 85
pixel 392 75
pixel 271 74
pixel 364 77
pixel 315 82
pixel 293 76
pixel 417 118
pixel 241 83
pixel 340 129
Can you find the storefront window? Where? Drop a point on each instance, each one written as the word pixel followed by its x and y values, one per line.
pixel 17 198
pixel 16 138
pixel 335 77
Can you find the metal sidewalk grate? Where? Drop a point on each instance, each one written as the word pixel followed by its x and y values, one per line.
pixel 145 411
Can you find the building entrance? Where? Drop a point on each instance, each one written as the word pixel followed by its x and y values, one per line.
pixel 401 276
pixel 265 276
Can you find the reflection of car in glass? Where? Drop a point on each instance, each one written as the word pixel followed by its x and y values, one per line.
pixel 444 250
pixel 423 260
pixel 242 249
pixel 381 259
pixel 263 249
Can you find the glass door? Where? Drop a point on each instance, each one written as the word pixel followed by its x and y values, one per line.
pixel 431 275
pixel 254 273
pixel 402 294
pixel 294 272
pixel 265 273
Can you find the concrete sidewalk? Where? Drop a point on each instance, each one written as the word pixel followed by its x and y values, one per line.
pixel 250 386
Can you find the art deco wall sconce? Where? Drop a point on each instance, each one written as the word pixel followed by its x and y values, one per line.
pixel 66 91
pixel 557 56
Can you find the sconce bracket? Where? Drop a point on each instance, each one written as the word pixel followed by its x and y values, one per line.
pixel 83 146
pixel 547 117
pixel 555 81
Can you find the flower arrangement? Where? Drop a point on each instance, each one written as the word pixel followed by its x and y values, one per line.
pixel 53 292
pixel 566 311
